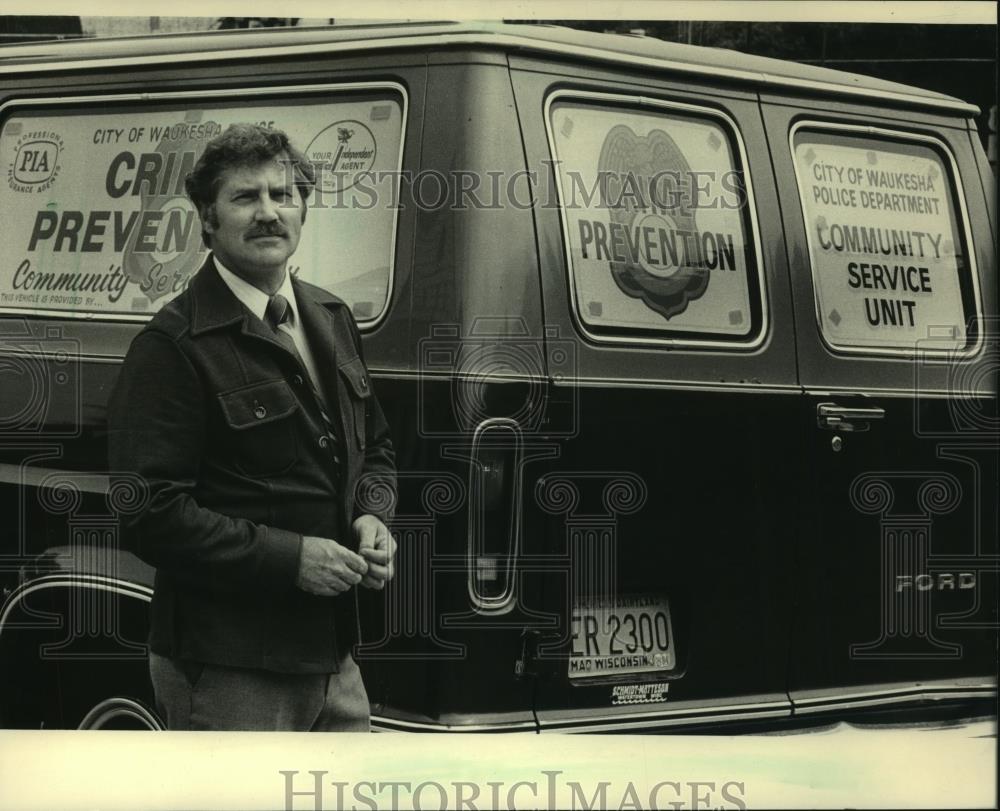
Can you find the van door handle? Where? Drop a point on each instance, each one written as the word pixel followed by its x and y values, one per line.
pixel 839 418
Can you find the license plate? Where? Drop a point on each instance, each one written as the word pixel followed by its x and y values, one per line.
pixel 626 635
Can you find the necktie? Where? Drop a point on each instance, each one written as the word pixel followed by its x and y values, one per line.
pixel 278 312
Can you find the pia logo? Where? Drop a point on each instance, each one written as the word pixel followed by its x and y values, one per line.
pixel 36 162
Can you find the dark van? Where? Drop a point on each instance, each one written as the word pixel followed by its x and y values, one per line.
pixel 689 357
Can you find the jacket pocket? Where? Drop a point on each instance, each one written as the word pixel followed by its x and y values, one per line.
pixel 354 376
pixel 261 419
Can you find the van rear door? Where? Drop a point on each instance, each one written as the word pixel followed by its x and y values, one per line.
pixel 893 279
pixel 673 402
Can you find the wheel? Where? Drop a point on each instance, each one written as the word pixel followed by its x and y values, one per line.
pixel 121 713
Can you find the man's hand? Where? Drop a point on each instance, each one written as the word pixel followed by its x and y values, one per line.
pixel 326 568
pixel 378 548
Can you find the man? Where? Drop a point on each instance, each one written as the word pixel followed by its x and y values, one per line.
pixel 247 408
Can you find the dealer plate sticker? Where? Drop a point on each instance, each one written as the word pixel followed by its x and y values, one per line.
pixel 627 634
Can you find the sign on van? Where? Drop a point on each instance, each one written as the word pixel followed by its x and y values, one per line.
pixel 96 220
pixel 883 240
pixel 657 222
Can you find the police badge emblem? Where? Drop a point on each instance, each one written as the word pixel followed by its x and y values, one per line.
pixel 647 182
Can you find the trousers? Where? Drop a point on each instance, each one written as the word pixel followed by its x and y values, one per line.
pixel 196 696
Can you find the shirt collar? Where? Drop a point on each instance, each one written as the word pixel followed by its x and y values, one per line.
pixel 254 299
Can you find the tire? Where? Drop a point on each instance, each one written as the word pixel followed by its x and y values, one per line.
pixel 121 713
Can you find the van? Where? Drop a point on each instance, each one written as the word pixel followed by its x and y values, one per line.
pixel 689 358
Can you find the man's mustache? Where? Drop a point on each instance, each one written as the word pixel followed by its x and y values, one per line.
pixel 272 230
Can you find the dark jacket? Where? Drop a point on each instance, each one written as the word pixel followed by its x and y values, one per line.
pixel 221 422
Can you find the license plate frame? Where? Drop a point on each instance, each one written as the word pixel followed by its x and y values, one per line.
pixel 631 636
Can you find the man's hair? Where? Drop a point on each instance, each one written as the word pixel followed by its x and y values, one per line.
pixel 243 145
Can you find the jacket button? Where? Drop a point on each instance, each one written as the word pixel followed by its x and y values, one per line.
pixel 364 382
pixel 297 380
pixel 260 412
pixel 324 441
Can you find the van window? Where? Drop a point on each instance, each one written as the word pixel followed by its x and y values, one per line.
pixel 96 223
pixel 657 223
pixel 891 267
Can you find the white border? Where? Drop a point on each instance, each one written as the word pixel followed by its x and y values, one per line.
pixel 646 103
pixel 962 214
pixel 28 104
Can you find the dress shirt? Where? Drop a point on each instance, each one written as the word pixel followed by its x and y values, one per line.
pixel 255 300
